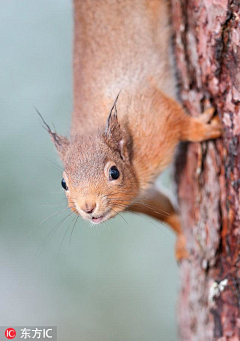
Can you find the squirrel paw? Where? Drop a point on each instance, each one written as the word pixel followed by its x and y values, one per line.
pixel 206 116
pixel 213 129
pixel 204 127
pixel 212 125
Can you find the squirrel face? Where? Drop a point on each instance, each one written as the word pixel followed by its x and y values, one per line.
pixel 99 178
pixel 98 182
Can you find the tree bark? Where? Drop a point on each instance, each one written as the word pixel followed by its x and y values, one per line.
pixel 207 46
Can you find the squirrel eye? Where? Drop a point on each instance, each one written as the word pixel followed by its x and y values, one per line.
pixel 64 185
pixel 113 173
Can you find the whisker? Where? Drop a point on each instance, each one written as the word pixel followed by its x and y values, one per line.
pixel 64 237
pixel 149 221
pixel 56 169
pixel 51 233
pixel 123 218
pixel 52 215
pixel 115 198
pixel 153 223
pixel 138 202
pixel 37 226
pixel 54 163
pixel 52 205
pixel 73 230
pixel 161 212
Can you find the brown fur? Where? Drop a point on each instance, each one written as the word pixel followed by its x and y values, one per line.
pixel 124 45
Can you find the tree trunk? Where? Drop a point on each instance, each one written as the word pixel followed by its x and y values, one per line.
pixel 207 46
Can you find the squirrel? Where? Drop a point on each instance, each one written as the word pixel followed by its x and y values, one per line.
pixel 126 122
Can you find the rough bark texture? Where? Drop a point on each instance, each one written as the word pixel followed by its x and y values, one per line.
pixel 207 45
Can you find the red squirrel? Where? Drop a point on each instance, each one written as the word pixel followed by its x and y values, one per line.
pixel 126 122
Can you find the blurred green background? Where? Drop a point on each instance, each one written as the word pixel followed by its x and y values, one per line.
pixel 113 282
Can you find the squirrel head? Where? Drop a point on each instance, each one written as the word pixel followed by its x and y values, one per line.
pixel 98 176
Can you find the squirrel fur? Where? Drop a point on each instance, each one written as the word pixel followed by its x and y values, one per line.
pixel 125 115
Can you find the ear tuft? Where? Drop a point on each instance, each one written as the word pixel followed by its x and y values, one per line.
pixel 117 138
pixel 61 143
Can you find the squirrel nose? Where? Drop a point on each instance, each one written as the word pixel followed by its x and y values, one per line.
pixel 89 208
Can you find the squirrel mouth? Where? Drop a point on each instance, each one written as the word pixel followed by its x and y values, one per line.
pixel 98 220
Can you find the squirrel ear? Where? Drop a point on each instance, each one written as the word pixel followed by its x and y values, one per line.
pixel 115 137
pixel 61 143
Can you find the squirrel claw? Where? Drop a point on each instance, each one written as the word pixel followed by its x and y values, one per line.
pixel 207 115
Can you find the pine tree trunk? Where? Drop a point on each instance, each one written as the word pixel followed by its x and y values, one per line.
pixel 207 46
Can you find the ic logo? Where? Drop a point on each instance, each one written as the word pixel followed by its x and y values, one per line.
pixel 10 333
